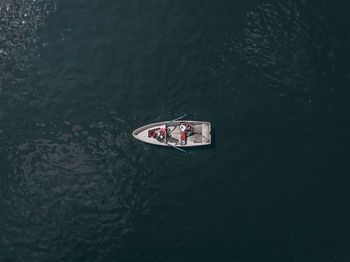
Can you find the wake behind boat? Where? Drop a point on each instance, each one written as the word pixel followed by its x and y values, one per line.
pixel 175 133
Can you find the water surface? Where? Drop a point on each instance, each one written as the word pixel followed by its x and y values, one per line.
pixel 78 77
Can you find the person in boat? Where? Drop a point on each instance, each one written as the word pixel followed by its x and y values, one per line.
pixel 186 128
pixel 158 134
pixel 162 134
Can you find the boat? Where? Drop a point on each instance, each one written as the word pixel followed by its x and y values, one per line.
pixel 175 133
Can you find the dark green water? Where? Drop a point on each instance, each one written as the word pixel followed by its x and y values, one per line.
pixel 77 77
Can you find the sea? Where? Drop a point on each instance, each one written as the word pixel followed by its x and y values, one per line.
pixel 77 77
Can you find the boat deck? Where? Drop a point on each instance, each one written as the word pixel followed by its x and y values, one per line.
pixel 201 134
pixel 174 135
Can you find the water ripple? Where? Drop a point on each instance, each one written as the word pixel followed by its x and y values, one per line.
pixel 274 51
pixel 72 190
pixel 19 22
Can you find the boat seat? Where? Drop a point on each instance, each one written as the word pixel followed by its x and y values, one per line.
pixel 195 138
pixel 197 129
pixel 205 130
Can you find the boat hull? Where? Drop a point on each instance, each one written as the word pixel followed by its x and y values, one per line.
pixel 200 137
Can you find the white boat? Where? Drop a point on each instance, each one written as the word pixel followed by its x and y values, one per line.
pixel 182 133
